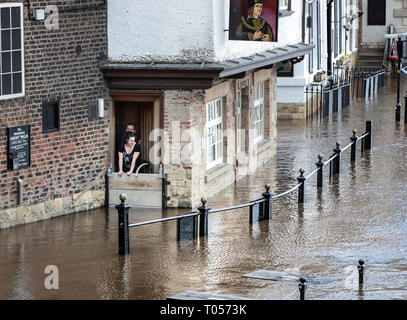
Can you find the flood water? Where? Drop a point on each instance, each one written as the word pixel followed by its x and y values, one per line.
pixel 360 215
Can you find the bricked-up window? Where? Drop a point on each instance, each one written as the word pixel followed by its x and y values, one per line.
pixel 11 51
pixel 214 133
pixel 50 117
pixel 259 111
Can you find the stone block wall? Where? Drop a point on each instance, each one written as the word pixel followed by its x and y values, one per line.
pixel 190 180
pixel 68 166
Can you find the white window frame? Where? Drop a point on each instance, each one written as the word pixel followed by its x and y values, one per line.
pixel 258 116
pixel 283 4
pixel 214 132
pixel 22 94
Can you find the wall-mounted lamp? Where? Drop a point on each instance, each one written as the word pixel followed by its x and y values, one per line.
pixel 287 65
pixel 101 108
pixel 39 14
pixel 199 96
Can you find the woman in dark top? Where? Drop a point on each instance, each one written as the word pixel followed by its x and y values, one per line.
pixel 128 154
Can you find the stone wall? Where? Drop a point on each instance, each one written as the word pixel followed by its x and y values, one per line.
pixel 185 163
pixel 67 166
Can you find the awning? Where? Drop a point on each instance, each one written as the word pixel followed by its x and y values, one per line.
pixel 264 59
pixel 192 75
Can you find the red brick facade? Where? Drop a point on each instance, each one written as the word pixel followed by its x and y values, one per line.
pixel 74 159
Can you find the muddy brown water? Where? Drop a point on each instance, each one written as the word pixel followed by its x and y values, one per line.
pixel 360 215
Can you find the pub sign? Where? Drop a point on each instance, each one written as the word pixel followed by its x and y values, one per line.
pixel 253 20
pixel 18 147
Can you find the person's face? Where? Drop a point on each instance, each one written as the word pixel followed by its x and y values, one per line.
pixel 132 141
pixel 130 128
pixel 258 9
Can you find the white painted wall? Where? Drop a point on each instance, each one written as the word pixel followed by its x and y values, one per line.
pixel 193 31
pixel 375 34
pixel 167 30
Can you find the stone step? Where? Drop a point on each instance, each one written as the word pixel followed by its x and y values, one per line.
pixel 291 116
pixel 370 55
pixel 290 109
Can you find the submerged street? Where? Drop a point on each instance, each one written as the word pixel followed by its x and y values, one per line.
pixel 360 215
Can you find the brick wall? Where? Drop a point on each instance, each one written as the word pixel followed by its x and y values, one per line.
pixel 73 161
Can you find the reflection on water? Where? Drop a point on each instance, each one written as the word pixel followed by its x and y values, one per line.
pixel 360 215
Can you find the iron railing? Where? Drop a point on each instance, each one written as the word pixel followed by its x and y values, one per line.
pixel 260 209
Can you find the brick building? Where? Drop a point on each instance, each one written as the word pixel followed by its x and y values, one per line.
pixel 212 97
pixel 50 81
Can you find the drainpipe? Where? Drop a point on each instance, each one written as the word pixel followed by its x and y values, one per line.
pixel 303 21
pixel 329 35
pixel 20 191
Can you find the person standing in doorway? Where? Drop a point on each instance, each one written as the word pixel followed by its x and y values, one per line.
pixel 128 154
pixel 120 140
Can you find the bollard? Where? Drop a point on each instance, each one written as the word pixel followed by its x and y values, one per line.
pixel 302 286
pixel 354 139
pixel 361 269
pixel 337 160
pixel 320 175
pixel 398 112
pixel 268 203
pixel 368 138
pixel 124 240
pixel 405 108
pixel 203 218
pixel 301 179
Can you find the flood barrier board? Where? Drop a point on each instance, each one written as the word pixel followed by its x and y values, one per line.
pixel 196 295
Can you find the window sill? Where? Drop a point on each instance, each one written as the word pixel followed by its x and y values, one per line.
pixel 285 13
pixel 263 145
pixel 217 171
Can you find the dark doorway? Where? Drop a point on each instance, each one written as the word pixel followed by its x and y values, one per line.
pixel 376 12
pixel 141 114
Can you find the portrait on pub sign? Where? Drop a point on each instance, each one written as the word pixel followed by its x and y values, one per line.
pixel 253 20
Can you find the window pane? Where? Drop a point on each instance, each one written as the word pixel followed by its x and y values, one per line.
pixel 5 40
pixel 16 60
pixel 17 82
pixel 16 37
pixel 6 83
pixel 5 18
pixel 212 153
pixel 6 62
pixel 218 150
pixel 15 17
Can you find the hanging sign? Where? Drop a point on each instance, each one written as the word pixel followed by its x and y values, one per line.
pixel 393 54
pixel 253 20
pixel 18 147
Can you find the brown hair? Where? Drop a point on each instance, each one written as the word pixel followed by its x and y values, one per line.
pixel 127 136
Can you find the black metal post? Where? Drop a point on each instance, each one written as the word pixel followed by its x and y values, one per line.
pixel 124 239
pixel 354 139
pixel 405 108
pixel 268 203
pixel 301 179
pixel 399 53
pixel 368 138
pixel 203 218
pixel 361 269
pixel 320 175
pixel 337 160
pixel 302 286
